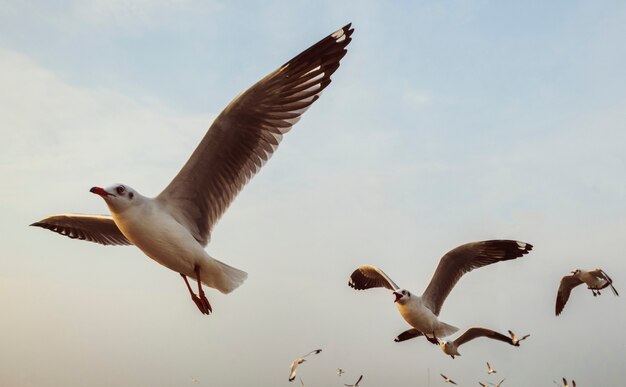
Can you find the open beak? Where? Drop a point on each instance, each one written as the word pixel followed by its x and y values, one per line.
pixel 398 296
pixel 100 191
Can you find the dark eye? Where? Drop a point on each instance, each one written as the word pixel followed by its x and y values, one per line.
pixel 130 195
pixel 120 190
pixel 404 292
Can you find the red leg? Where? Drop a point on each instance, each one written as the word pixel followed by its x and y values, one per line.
pixel 195 298
pixel 203 299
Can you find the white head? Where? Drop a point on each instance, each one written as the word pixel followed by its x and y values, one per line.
pixel 577 271
pixel 402 296
pixel 118 197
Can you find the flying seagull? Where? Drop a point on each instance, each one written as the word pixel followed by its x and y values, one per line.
pixel 595 280
pixel 498 385
pixel 422 312
pixel 340 371
pixel 447 379
pixel 490 370
pixel 355 384
pixel 452 347
pixel 174 227
pixel 483 384
pixel 514 340
pixel 567 385
pixel 300 360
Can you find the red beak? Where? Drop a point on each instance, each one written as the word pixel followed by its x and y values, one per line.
pixel 398 296
pixel 99 191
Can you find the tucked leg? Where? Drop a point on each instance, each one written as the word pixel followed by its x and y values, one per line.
pixel 205 301
pixel 195 298
pixel 433 339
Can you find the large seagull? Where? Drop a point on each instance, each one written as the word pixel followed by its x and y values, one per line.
pixel 174 227
pixel 422 313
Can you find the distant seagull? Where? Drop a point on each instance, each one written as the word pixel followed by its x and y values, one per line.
pixel 447 379
pixel 596 280
pixel 452 347
pixel 422 312
pixel 514 340
pixel 174 227
pixel 483 384
pixel 498 385
pixel 300 360
pixel 490 370
pixel 565 383
pixel 355 384
pixel 195 380
pixel 340 371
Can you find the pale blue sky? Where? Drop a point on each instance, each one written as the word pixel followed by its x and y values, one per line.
pixel 447 122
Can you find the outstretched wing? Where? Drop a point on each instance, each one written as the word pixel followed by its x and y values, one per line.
pixel 368 276
pixel 314 352
pixel 568 283
pixel 247 132
pixel 93 228
pixel 473 333
pixel 407 335
pixel 464 259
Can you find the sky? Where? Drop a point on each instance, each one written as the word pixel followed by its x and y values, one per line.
pixel 447 122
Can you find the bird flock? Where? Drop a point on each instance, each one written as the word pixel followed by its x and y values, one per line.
pixel 174 227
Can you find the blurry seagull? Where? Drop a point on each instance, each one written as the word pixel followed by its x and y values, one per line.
pixel 498 385
pixel 595 280
pixel 483 384
pixel 490 370
pixel 300 360
pixel 340 371
pixel 355 384
pixel 447 379
pixel 514 340
pixel 174 227
pixel 452 347
pixel 422 312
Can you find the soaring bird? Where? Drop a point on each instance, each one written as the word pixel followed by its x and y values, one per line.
pixel 452 347
pixel 514 340
pixel 300 360
pixel 498 385
pixel 340 371
pixel 422 312
pixel 174 227
pixel 596 280
pixel 490 370
pixel 447 379
pixel 355 384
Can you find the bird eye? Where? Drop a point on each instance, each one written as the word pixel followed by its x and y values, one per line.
pixel 120 190
pixel 404 292
pixel 131 195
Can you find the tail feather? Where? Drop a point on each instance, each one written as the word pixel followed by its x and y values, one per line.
pixel 221 276
pixel 445 330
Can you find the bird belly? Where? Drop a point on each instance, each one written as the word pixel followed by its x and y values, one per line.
pixel 423 319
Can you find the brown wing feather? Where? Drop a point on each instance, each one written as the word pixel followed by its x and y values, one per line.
pixel 473 333
pixel 464 259
pixel 93 228
pixel 568 283
pixel 367 276
pixel 247 132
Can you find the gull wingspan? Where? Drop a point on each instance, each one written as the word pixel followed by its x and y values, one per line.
pixel 568 283
pixel 246 134
pixel 464 259
pixel 93 228
pixel 473 333
pixel 368 276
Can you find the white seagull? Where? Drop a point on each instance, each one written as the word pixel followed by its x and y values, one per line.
pixel 498 385
pixel 355 384
pixel 300 360
pixel 340 371
pixel 490 370
pixel 447 379
pixel 452 347
pixel 174 227
pixel 595 280
pixel 422 312
pixel 514 340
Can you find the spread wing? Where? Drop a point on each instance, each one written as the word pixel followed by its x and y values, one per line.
pixel 314 352
pixel 294 366
pixel 464 259
pixel 474 333
pixel 246 134
pixel 568 283
pixel 407 335
pixel 368 276
pixel 93 228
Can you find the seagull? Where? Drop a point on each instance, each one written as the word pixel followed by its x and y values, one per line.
pixel 483 384
pixel 355 384
pixel 195 380
pixel 174 227
pixel 596 280
pixel 340 371
pixel 491 370
pixel 447 379
pixel 498 385
pixel 514 340
pixel 452 347
pixel 422 312
pixel 300 360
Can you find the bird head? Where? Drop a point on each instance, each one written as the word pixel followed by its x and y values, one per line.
pixel 118 197
pixel 574 272
pixel 402 296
